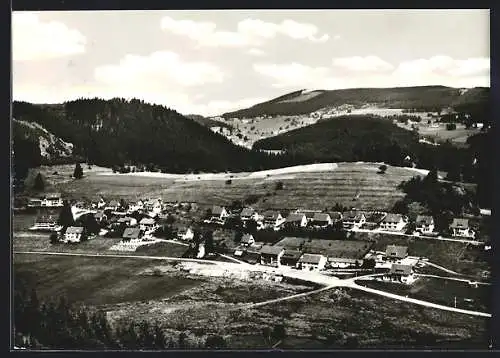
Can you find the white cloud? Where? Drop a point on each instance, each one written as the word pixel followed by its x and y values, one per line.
pixel 163 68
pixel 249 32
pixel 368 63
pixel 445 66
pixel 256 52
pixel 33 39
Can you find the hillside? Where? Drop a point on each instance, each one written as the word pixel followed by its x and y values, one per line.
pixel 425 98
pixel 114 132
pixel 207 122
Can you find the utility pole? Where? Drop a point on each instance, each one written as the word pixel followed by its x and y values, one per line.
pixel 455 301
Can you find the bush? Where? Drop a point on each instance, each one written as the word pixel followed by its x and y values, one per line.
pixel 228 182
pixel 451 126
pixel 279 186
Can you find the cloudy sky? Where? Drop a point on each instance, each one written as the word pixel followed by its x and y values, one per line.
pixel 210 62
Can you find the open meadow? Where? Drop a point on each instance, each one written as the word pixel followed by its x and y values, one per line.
pixel 350 184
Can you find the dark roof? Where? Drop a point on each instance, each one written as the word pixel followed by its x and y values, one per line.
pixel 460 223
pixel 424 219
pixel 99 214
pixel 352 215
pixel 131 233
pixel 247 238
pixel 74 230
pixel 376 217
pixel 342 260
pixel 308 214
pixel 271 250
pixel 292 254
pixel 250 257
pixel 247 212
pixel 271 215
pixel 399 252
pixel 294 217
pixel 321 217
pixel 336 215
pixel 401 269
pixel 217 210
pixel 114 203
pixel 46 219
pixel 392 218
pixel 311 258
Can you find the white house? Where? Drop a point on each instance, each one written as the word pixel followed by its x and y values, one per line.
pixel 148 225
pixel 186 235
pixel 321 220
pixel 154 206
pixel 400 273
pixel 112 205
pixel 353 220
pixel 341 262
pixel 247 240
pixel 273 219
pixel 52 200
pixel 201 251
pixel 271 255
pixel 393 222
pixel 101 203
pixel 312 262
pixel 295 220
pixel 46 223
pixel 73 234
pixel 249 214
pixel 424 224
pixel 219 213
pixel 127 220
pixel 135 207
pixel 460 228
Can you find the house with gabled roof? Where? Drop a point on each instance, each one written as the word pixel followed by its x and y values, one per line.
pixel 249 214
pixel 344 262
pixel 353 219
pixel 186 234
pixel 400 273
pixel 460 228
pixel 52 200
pixel 132 233
pixel 312 262
pixel 113 205
pixel 273 219
pixel 393 222
pixel 336 216
pixel 46 223
pixel 396 252
pixel 295 220
pixel 127 220
pixel 73 234
pixel 247 240
pixel 271 255
pixel 291 258
pixel 219 213
pixel 148 225
pixel 321 220
pixel 424 224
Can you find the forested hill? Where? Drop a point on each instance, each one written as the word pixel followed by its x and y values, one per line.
pixel 117 131
pixel 424 98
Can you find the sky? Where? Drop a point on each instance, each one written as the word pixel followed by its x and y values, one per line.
pixel 211 62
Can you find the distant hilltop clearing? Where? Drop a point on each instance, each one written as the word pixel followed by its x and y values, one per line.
pixel 425 98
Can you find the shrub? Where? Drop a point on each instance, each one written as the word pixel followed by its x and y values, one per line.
pixel 228 182
pixel 451 126
pixel 279 185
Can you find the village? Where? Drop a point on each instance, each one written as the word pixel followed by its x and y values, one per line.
pixel 298 239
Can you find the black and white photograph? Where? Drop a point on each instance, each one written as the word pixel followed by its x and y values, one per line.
pixel 251 180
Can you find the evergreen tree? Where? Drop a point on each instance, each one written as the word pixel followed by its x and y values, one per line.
pixel 39 184
pixel 66 216
pixel 78 172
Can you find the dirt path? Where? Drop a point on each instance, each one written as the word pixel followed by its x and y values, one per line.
pixel 443 268
pixel 454 279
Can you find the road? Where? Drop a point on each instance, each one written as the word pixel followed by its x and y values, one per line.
pixel 443 268
pixel 465 241
pixel 310 276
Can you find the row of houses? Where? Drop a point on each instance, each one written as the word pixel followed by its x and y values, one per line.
pixel 424 224
pixel 49 200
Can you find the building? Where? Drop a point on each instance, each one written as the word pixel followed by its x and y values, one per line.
pixel 138 206
pixel 393 222
pixel 186 234
pixel 154 206
pixel 251 257
pixel 148 225
pixel 336 216
pixel 247 240
pixel 35 203
pixel 353 219
pixel 400 273
pixel 273 219
pixel 249 214
pixel 395 252
pixel 219 213
pixel 101 203
pixel 344 262
pixel 271 255
pixel 424 224
pixel 113 205
pixel 73 234
pixel 291 258
pixel 312 262
pixel 46 223
pixel 295 220
pixel 461 228
pixel 52 200
pixel 128 221
pixel 321 220
pixel 100 217
pixel 132 233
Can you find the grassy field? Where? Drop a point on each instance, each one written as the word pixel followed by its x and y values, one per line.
pixel 440 291
pixel 95 281
pixel 308 190
pixel 332 248
pixel 444 253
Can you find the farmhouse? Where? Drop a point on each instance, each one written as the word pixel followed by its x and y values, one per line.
pixel 291 258
pixel 131 233
pixel 52 200
pixel 100 216
pixel 250 256
pixel 424 224
pixel 395 252
pixel 46 223
pixel 460 228
pixel 353 219
pixel 249 214
pixel 393 222
pixel 148 225
pixel 273 219
pixel 271 255
pixel 321 220
pixel 219 213
pixel 336 216
pixel 34 203
pixel 342 262
pixel 113 205
pixel 400 273
pixel 247 240
pixel 135 207
pixel 312 262
pixel 73 234
pixel 296 220
pixel 101 203
pixel 154 206
pixel 128 221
